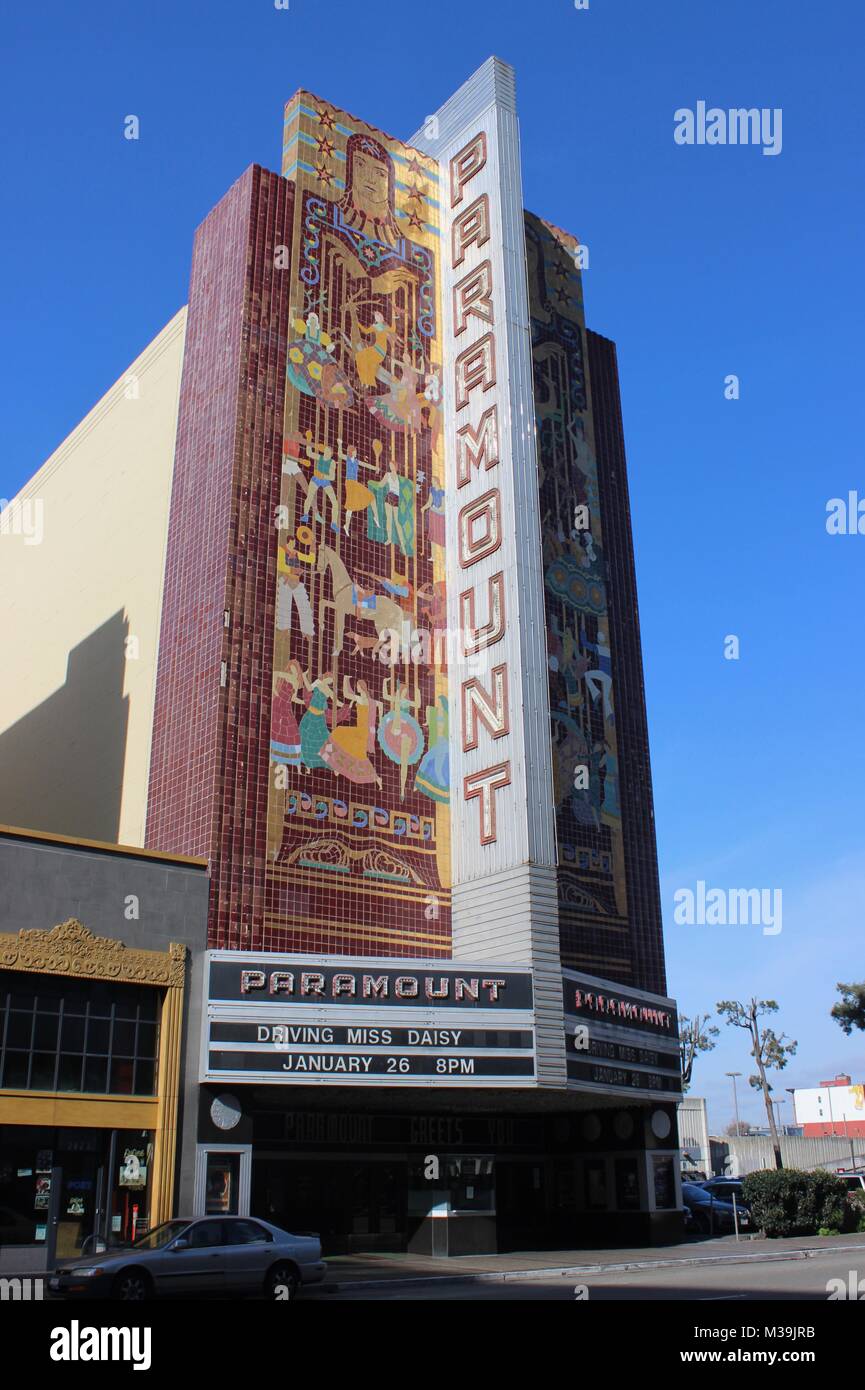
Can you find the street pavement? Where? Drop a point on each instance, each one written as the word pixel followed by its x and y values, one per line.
pixel 720 1268
pixel 784 1280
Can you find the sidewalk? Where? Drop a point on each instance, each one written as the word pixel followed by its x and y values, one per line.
pixel 354 1272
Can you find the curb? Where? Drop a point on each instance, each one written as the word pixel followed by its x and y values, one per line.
pixel 560 1271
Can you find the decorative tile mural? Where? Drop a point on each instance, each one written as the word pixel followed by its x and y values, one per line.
pixel 593 907
pixel 358 797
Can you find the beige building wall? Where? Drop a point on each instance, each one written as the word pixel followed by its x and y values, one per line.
pixel 82 554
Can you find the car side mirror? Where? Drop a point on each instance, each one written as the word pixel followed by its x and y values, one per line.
pixel 180 1244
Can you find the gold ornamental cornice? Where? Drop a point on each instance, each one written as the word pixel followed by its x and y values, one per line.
pixel 71 949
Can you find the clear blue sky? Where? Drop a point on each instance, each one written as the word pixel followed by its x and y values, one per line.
pixel 704 261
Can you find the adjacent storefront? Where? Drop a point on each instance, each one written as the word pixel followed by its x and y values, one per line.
pixel 91 1042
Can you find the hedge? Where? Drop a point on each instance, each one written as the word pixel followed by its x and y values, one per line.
pixel 789 1202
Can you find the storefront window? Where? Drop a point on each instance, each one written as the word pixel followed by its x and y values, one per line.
pixel 464 1183
pixel 472 1184
pixel 104 1193
pixel 77 1035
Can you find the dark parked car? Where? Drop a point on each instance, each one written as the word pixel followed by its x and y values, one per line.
pixel 208 1255
pixel 724 1187
pixel 711 1214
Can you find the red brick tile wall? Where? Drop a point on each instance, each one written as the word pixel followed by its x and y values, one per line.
pixel 209 764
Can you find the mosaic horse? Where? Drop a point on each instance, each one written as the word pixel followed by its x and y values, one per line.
pixel 364 604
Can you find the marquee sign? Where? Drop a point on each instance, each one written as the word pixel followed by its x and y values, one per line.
pixel 586 997
pixel 620 1040
pixel 303 1019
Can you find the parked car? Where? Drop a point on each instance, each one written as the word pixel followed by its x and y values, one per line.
pixel 724 1187
pixel 207 1255
pixel 854 1182
pixel 710 1214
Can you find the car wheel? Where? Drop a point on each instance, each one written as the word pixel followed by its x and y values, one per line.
pixel 132 1286
pixel 282 1283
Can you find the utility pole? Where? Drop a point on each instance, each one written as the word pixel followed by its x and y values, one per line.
pixel 791 1091
pixel 734 1074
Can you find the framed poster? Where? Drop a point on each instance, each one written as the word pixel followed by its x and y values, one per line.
pixel 596 1184
pixel 664 1181
pixel 627 1184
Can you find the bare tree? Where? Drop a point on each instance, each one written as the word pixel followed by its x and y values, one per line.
pixel 771 1052
pixel 738 1128
pixel 695 1036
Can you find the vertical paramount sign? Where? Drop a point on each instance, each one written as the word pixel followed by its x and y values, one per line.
pixel 502 821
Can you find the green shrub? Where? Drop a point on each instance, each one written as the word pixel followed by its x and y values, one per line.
pixel 855 1214
pixel 788 1202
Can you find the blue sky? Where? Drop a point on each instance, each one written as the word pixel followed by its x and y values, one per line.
pixel 704 261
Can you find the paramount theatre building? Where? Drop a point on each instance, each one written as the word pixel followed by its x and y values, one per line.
pixel 399 708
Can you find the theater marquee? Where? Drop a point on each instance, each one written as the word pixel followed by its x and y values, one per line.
pixel 620 1040
pixel 296 1019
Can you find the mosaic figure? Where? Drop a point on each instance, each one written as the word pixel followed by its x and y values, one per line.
pixel 400 736
pixel 434 507
pixel 314 731
pixel 433 774
pixel 311 366
pixel 357 495
pixel 368 201
pixel 291 592
pixel 346 751
pixel 369 359
pixel 323 479
pixel 288 688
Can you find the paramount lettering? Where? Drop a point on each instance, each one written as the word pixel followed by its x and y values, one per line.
pixel 482 520
pixel 346 986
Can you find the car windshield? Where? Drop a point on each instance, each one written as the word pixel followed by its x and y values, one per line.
pixel 160 1236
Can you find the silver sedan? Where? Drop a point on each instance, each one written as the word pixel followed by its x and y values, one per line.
pixel 208 1255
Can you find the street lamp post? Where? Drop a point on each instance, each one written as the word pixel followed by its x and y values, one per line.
pixel 791 1091
pixel 734 1074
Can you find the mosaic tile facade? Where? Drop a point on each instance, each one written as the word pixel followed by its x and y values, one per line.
pixel 358 821
pixel 646 964
pixel 606 910
pixel 302 715
pixel 208 782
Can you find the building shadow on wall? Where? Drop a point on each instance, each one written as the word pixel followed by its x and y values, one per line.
pixel 61 765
